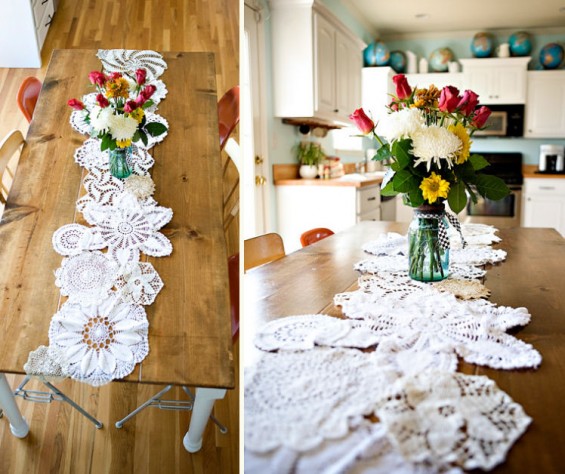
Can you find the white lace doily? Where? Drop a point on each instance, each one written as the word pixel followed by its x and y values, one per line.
pixel 389 244
pixel 100 342
pixel 452 419
pixel 476 256
pixel 72 239
pixel 129 60
pixel 87 277
pixel 465 290
pixel 46 364
pixel 139 283
pixel 299 399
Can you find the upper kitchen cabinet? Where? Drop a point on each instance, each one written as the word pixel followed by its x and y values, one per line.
pixel 497 80
pixel 317 63
pixel 545 106
pixel 23 28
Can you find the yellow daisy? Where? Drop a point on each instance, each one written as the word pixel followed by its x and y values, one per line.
pixel 137 114
pixel 123 143
pixel 434 187
pixel 460 132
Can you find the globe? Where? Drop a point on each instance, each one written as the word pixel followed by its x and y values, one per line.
pixel 398 61
pixel 551 56
pixel 520 43
pixel 440 58
pixel 482 45
pixel 376 54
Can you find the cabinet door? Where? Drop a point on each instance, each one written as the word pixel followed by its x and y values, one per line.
pixel 342 75
pixel 325 61
pixel 545 211
pixel 503 85
pixel 353 71
pixel 545 106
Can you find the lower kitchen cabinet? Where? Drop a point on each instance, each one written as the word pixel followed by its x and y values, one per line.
pixel 304 207
pixel 544 203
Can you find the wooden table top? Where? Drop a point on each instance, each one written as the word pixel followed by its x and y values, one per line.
pixel 189 322
pixel 532 276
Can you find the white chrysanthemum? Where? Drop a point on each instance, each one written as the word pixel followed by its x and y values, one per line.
pixel 402 124
pixel 433 144
pixel 122 127
pixel 140 186
pixel 100 118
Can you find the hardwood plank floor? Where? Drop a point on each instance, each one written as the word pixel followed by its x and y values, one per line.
pixel 61 440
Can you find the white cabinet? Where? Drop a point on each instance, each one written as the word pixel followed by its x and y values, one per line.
pixel 23 28
pixel 376 86
pixel 545 106
pixel 497 80
pixel 544 203
pixel 302 207
pixel 317 63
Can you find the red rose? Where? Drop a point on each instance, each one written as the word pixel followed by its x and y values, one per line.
pixel 130 106
pixel 403 90
pixel 140 76
pixel 468 102
pixel 114 75
pixel 449 99
pixel 480 117
pixel 102 101
pixel 75 104
pixel 97 78
pixel 363 123
pixel 393 106
pixel 147 92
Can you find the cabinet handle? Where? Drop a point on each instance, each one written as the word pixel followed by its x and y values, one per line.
pixel 372 198
pixel 547 188
pixel 49 20
pixel 336 110
pixel 44 2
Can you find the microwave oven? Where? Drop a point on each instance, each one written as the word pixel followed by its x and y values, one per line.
pixel 504 121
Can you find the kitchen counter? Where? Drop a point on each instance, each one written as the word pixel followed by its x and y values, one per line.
pixel 529 171
pixel 344 181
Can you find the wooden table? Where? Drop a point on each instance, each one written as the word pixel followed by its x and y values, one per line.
pixel 532 276
pixel 190 327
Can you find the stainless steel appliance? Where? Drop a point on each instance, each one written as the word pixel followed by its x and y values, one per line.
pixel 504 121
pixel 508 211
pixel 551 159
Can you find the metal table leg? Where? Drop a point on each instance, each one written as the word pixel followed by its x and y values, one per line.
pixel 203 404
pixel 18 424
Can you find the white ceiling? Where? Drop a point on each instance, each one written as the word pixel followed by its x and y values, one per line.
pixel 398 17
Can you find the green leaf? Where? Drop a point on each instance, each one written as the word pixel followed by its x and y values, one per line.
pixel 465 172
pixel 401 150
pixel 394 166
pixel 457 198
pixel 405 182
pixel 106 141
pixel 388 190
pixel 147 104
pixel 143 137
pixel 416 198
pixel 155 129
pixel 472 193
pixel 136 137
pixel 491 187
pixel 383 153
pixel 478 162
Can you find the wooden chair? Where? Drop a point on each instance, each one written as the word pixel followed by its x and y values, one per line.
pixel 27 96
pixel 313 235
pixel 262 249
pixel 10 148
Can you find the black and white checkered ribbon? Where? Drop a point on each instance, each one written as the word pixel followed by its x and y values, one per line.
pixel 442 234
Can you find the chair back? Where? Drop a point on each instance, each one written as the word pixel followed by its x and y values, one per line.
pixel 228 114
pixel 313 235
pixel 262 249
pixel 8 149
pixel 27 96
pixel 233 272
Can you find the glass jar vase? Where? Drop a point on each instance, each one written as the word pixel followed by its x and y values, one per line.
pixel 427 260
pixel 119 162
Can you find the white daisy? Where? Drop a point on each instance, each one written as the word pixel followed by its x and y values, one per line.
pixel 433 144
pixel 122 127
pixel 401 124
pixel 100 118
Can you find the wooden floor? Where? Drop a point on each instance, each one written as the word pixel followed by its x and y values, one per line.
pixel 61 440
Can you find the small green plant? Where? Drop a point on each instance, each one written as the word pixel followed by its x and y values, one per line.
pixel 309 153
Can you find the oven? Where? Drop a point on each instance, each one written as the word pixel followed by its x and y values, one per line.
pixel 508 211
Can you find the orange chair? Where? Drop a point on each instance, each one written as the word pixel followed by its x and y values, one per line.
pixel 311 236
pixel 228 114
pixel 27 96
pixel 233 272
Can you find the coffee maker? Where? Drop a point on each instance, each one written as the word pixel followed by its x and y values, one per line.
pixel 551 159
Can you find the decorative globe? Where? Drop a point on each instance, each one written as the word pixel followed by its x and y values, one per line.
pixel 482 45
pixel 551 56
pixel 398 61
pixel 376 54
pixel 520 43
pixel 440 58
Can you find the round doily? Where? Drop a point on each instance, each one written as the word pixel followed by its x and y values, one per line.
pixel 46 364
pixel 72 239
pixel 129 60
pixel 462 289
pixel 476 256
pixel 88 276
pixel 139 283
pixel 389 244
pixel 100 342
pixel 397 263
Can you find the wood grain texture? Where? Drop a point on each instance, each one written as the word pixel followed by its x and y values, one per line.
pixel 305 282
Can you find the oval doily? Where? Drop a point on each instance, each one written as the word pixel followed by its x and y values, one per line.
pixel 129 60
pixel 452 419
pixel 100 342
pixel 72 239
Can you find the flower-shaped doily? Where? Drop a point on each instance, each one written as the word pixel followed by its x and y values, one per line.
pixel 389 244
pixel 476 256
pixel 451 419
pixel 129 60
pixel 395 263
pixel 465 290
pixel 298 399
pixel 100 342
pixel 47 364
pixel 72 239
pixel 88 276
pixel 139 283
pixel 101 189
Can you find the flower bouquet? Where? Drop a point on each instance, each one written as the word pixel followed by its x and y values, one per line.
pixel 117 115
pixel 427 136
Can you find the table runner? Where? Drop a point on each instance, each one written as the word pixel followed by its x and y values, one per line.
pixel 101 331
pixel 417 331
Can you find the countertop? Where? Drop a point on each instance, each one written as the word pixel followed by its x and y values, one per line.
pixel 355 180
pixel 529 171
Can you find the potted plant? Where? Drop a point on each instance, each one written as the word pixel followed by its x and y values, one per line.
pixel 309 155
